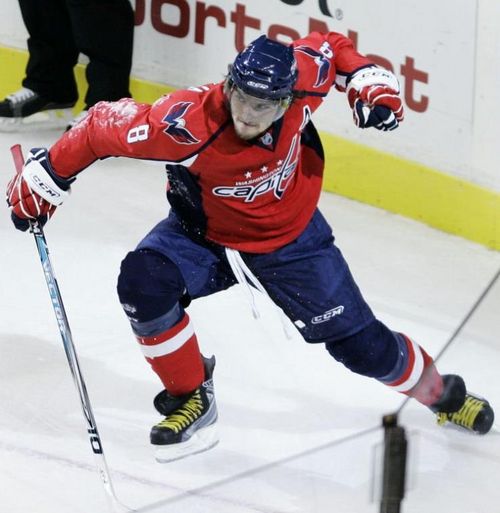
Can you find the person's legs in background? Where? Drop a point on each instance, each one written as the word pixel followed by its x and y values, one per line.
pixel 49 88
pixel 103 30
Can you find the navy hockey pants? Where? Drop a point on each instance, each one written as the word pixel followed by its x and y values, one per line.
pixel 308 278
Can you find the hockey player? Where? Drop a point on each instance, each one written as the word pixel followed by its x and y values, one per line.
pixel 245 166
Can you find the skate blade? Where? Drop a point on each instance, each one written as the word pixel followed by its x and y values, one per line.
pixel 201 441
pixel 44 120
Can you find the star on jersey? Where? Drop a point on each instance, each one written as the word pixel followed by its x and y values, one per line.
pixel 176 124
pixel 320 60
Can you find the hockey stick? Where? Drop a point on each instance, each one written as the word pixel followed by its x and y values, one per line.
pixel 69 348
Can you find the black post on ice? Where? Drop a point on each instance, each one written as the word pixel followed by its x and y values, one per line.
pixel 394 471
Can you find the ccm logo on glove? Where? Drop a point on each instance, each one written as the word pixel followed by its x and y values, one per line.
pixel 36 191
pixel 54 195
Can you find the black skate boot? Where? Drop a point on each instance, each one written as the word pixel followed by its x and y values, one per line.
pixel 462 408
pixel 189 424
pixel 25 109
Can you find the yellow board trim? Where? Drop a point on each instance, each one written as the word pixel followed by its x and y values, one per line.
pixel 412 190
pixel 355 171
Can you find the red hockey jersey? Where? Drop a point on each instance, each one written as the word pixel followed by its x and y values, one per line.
pixel 254 196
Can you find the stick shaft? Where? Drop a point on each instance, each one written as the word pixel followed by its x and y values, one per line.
pixel 69 348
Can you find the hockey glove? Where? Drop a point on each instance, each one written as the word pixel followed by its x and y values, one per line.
pixel 37 191
pixel 373 95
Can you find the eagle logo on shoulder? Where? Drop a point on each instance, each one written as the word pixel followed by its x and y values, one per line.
pixel 176 124
pixel 321 60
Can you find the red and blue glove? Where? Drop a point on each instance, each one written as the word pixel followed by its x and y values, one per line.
pixel 373 95
pixel 37 191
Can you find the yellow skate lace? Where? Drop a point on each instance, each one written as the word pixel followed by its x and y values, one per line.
pixel 465 416
pixel 191 410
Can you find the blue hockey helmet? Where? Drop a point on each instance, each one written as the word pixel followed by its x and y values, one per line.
pixel 266 69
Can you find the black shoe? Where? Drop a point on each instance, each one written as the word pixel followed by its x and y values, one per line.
pixel 26 109
pixel 190 419
pixel 463 409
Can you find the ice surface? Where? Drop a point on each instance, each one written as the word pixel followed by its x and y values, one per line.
pixel 298 432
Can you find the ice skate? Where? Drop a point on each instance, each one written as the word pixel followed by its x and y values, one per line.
pixel 189 426
pixel 27 110
pixel 463 409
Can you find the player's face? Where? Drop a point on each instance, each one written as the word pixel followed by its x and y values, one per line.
pixel 251 115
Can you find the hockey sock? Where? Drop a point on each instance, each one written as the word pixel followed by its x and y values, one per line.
pixel 414 374
pixel 430 387
pixel 175 357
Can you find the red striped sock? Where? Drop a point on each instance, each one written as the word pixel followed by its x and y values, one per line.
pixel 420 380
pixel 175 357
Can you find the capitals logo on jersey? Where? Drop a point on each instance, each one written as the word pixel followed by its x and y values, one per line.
pixel 176 124
pixel 275 180
pixel 321 59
